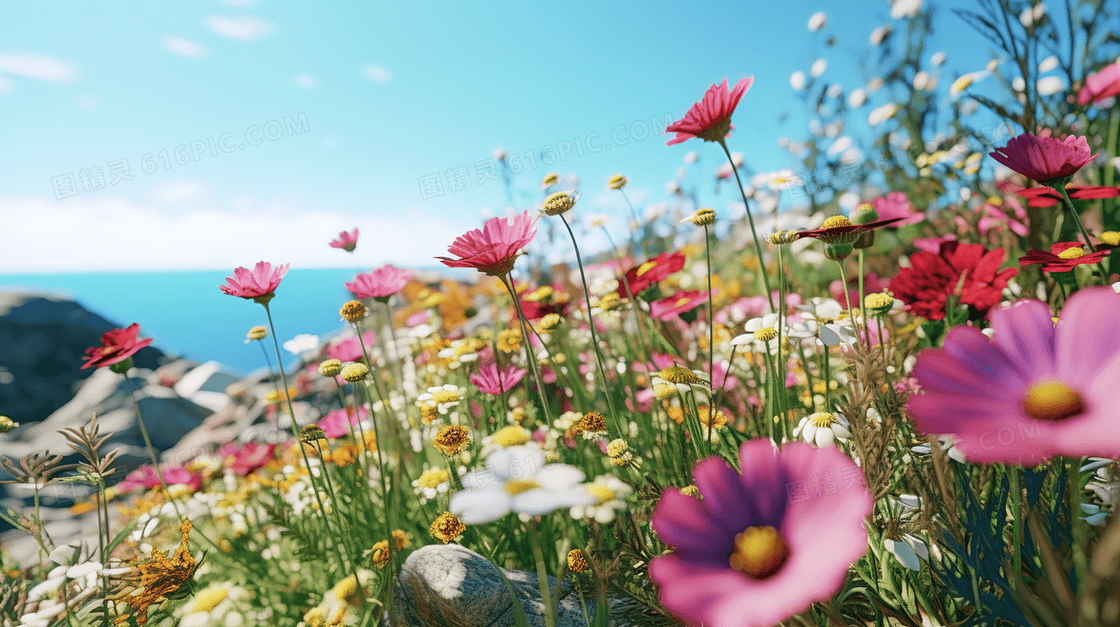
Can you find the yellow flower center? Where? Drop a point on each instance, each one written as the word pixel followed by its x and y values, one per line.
pixel 765 334
pixel 822 419
pixel 517 486
pixel 682 302
pixel 601 492
pixel 1075 252
pixel 878 301
pixel 345 588
pixel 759 552
pixel 679 374
pixel 836 221
pixel 1052 401
pixel 209 598
pixel 1112 238
pixel 511 436
pixel 445 396
pixel 646 267
pixel 433 478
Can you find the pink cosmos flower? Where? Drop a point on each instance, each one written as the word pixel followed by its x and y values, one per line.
pixel 710 119
pixel 933 244
pixel 380 283
pixel 496 381
pixel 897 205
pixel 336 423
pixel 258 284
pixel 493 249
pixel 750 552
pixel 1044 159
pixel 346 241
pixel 993 218
pixel 146 477
pixel 1035 390
pixel 349 348
pixel 117 345
pixel 245 459
pixel 675 305
pixel 1100 86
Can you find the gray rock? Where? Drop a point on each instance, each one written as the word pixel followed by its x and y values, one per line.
pixel 452 586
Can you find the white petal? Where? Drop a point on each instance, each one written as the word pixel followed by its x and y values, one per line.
pixel 903 553
pixel 538 502
pixel 824 437
pixel 559 477
pixel 829 337
pixel 918 545
pixel 475 507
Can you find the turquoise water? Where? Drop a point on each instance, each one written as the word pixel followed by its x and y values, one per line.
pixel 187 315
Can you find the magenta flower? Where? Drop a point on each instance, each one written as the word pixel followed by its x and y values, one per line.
pixel 350 348
pixel 933 244
pixel 380 283
pixel 493 249
pixel 346 241
pixel 336 424
pixel 675 305
pixel 1033 392
pixel 1044 159
pixel 146 477
pixel 1101 86
pixel 117 345
pixel 710 119
pixel 258 284
pixel 897 205
pixel 750 553
pixel 497 381
pixel 243 460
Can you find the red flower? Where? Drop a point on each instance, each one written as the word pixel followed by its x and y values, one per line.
pixel 117 345
pixel 710 119
pixel 653 271
pixel 1102 85
pixel 346 241
pixel 493 249
pixel 675 305
pixel 1045 158
pixel 1063 257
pixel 926 285
pixel 1048 196
pixel 840 230
pixel 258 284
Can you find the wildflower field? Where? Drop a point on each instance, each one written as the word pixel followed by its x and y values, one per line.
pixel 893 402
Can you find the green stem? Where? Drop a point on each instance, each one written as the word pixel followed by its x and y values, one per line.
pixel 1016 522
pixel 711 336
pixel 542 574
pixel 848 302
pixel 507 280
pixel 754 234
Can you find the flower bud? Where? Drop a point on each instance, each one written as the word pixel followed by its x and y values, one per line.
pixel 837 252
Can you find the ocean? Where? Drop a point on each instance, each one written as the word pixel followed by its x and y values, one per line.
pixel 187 315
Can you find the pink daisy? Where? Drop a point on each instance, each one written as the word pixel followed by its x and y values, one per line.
pixel 379 284
pixel 675 305
pixel 494 248
pixel 258 284
pixel 897 205
pixel 1044 159
pixel 346 241
pixel 117 345
pixel 1102 85
pixel 350 348
pixel 496 381
pixel 710 119
pixel 1034 392
pixel 336 423
pixel 750 553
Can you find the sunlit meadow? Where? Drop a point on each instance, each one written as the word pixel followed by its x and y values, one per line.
pixel 878 390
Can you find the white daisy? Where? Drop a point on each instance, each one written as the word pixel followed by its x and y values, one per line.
pixel 823 429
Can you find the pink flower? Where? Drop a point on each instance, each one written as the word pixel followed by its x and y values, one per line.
pixel 146 477
pixel 493 249
pixel 496 381
pixel 710 119
pixel 675 305
pixel 1044 159
pixel 933 244
pixel 380 283
pixel 245 459
pixel 994 218
pixel 336 423
pixel 350 349
pixel 897 205
pixel 117 345
pixel 1102 85
pixel 1033 392
pixel 346 241
pixel 750 552
pixel 258 284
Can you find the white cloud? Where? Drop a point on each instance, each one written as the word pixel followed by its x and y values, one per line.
pixel 38 234
pixel 306 82
pixel 38 66
pixel 184 47
pixel 245 28
pixel 180 191
pixel 375 73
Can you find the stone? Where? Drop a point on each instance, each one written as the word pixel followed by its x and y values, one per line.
pixel 452 586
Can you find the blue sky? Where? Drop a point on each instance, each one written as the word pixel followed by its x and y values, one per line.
pixel 284 123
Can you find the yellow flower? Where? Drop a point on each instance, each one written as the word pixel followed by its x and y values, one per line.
pixel 7 424
pixel 702 217
pixel 258 333
pixel 353 311
pixel 452 439
pixel 447 528
pixel 617 182
pixel 559 203
pixel 577 563
pixel 550 321
pixel 509 340
pixel 512 435
pixel 355 372
pixel 550 179
pixel 330 368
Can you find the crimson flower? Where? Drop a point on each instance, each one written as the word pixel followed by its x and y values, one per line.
pixel 491 379
pixel 653 271
pixel 246 458
pixel 1102 85
pixel 117 345
pixel 710 119
pixel 494 248
pixel 258 284
pixel 346 241
pixel 1048 196
pixel 1044 159
pixel 931 278
pixel 675 305
pixel 379 284
pixel 1063 257
pixel 840 230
